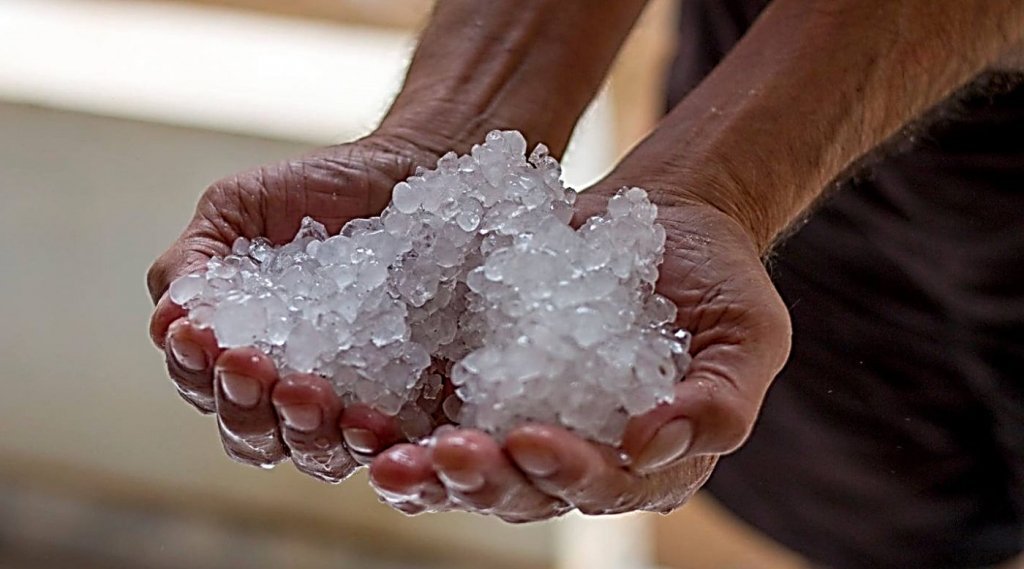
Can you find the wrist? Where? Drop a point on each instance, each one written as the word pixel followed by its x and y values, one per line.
pixel 531 66
pixel 714 187
pixel 439 124
pixel 407 146
pixel 429 126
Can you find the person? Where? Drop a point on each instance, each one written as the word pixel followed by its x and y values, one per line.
pixel 895 436
pixel 901 287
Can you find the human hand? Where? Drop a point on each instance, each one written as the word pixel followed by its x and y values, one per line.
pixel 263 418
pixel 741 336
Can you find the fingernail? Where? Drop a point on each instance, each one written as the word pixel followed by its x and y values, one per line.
pixel 461 480
pixel 188 354
pixel 240 390
pixel 361 440
pixel 301 417
pixel 669 443
pixel 535 461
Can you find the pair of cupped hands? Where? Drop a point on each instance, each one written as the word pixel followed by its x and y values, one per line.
pixel 712 271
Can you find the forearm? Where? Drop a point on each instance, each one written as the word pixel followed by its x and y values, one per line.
pixel 811 88
pixel 530 65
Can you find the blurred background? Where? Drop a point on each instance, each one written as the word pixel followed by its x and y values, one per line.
pixel 114 115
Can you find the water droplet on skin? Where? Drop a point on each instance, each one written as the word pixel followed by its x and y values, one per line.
pixel 322 459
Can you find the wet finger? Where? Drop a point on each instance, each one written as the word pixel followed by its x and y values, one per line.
pixel 574 470
pixel 245 414
pixel 713 412
pixel 164 314
pixel 367 432
pixel 404 476
pixel 309 409
pixel 190 353
pixel 479 476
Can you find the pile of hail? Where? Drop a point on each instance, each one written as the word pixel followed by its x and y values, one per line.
pixel 472 275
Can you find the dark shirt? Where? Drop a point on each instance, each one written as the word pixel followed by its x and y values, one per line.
pixel 895 435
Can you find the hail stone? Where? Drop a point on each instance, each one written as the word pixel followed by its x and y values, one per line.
pixel 474 268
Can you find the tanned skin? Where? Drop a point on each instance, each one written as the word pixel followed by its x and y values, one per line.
pixel 810 89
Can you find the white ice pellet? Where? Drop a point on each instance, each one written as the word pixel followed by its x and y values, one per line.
pixel 473 268
pixel 186 288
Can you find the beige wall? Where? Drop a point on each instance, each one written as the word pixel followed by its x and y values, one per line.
pixel 87 203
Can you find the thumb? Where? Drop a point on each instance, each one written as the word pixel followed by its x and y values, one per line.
pixel 713 411
pixel 740 344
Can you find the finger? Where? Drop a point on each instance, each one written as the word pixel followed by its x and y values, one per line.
pixel 403 477
pixel 190 354
pixel 713 411
pixel 479 476
pixel 740 344
pixel 573 470
pixel 245 414
pixel 165 313
pixel 367 432
pixel 309 410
